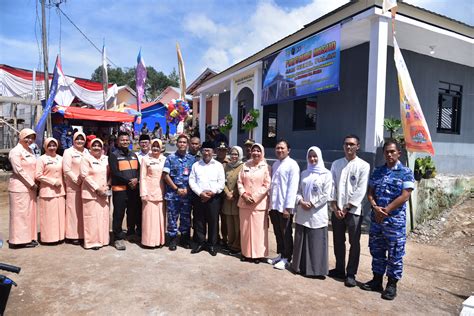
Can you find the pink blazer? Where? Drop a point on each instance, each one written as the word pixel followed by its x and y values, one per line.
pixel 49 170
pixel 256 182
pixel 24 167
pixel 72 168
pixel 94 174
pixel 151 184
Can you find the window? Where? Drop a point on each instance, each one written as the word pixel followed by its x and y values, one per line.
pixel 304 114
pixel 449 108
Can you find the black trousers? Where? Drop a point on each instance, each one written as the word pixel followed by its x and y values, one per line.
pixel 127 200
pixel 283 229
pixel 206 220
pixel 352 223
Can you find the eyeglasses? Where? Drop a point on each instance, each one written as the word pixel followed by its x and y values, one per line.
pixel 350 144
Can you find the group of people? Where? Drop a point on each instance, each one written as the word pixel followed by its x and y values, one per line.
pixel 164 197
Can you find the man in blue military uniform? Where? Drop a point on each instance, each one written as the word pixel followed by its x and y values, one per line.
pixel 390 186
pixel 178 194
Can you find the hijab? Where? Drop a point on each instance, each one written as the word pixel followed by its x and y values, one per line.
pixel 46 143
pixel 76 135
pixel 94 140
pixel 26 132
pixel 239 160
pixel 319 168
pixel 160 144
pixel 261 149
pixel 314 172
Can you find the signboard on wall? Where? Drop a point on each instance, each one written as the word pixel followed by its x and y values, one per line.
pixel 245 80
pixel 308 67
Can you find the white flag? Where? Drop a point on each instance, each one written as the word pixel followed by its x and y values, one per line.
pixel 388 4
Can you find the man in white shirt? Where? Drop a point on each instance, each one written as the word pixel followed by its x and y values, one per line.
pixel 144 143
pixel 283 189
pixel 207 180
pixel 350 176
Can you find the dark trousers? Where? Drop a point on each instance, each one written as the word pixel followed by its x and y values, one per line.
pixel 126 200
pixel 352 223
pixel 283 229
pixel 206 220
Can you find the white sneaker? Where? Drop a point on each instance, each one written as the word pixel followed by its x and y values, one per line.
pixel 275 260
pixel 282 264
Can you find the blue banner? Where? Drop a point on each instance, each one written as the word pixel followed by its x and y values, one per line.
pixel 39 129
pixel 306 68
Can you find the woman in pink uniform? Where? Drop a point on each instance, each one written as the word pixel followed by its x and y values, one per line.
pixel 22 192
pixel 151 192
pixel 52 195
pixel 253 184
pixel 95 196
pixel 71 167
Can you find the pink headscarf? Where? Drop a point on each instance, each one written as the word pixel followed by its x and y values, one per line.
pixel 25 133
pixel 49 140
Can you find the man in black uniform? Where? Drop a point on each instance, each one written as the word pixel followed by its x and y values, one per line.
pixel 125 171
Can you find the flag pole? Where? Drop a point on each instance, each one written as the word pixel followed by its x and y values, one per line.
pixel 45 63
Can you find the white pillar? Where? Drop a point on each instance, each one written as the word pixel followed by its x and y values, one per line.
pixel 376 83
pixel 202 116
pixel 233 110
pixel 257 100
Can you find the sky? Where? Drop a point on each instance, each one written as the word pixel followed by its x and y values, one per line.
pixel 211 33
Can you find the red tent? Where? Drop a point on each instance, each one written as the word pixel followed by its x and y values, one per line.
pixel 75 113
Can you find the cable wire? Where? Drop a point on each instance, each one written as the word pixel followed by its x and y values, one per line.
pixel 85 36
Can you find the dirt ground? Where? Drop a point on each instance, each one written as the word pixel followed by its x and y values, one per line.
pixel 68 280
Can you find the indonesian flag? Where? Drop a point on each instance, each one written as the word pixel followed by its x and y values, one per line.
pixel 415 130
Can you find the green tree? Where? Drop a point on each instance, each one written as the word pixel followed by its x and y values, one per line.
pixel 156 81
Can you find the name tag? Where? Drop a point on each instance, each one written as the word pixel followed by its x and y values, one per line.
pixel 95 163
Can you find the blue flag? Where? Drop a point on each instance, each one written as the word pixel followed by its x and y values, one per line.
pixel 39 129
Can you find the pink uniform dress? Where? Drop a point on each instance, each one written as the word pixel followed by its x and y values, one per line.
pixel 151 192
pixel 71 168
pixel 254 180
pixel 52 199
pixel 95 208
pixel 21 196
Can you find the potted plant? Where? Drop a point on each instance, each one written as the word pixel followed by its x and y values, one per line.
pixel 430 169
pixel 419 169
pixel 250 121
pixel 393 125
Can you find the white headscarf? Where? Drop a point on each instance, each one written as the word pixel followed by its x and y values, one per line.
pixel 239 160
pixel 314 171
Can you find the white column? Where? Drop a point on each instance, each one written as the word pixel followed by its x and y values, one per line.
pixel 376 83
pixel 233 110
pixel 257 99
pixel 202 116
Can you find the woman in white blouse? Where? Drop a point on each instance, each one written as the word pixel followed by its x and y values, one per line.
pixel 310 252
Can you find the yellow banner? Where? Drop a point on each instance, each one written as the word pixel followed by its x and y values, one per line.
pixel 415 130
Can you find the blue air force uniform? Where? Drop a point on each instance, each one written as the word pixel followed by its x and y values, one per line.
pixel 387 239
pixel 178 167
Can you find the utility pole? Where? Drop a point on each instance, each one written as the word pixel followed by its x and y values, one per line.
pixel 45 62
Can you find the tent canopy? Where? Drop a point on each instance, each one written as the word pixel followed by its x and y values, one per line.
pixel 153 112
pixel 75 113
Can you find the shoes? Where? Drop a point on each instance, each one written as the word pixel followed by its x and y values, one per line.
pixel 212 251
pixel 95 248
pixel 390 290
pixel 281 265
pixel 256 260
pixel 374 285
pixel 173 243
pixel 133 238
pixel 119 245
pixel 274 261
pixel 233 252
pixel 333 273
pixel 184 241
pixel 350 281
pixel 34 243
pixel 197 249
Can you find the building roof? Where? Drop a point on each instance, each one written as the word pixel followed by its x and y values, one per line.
pixel 205 75
pixel 342 14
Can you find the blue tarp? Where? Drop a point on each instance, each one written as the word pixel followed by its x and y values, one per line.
pixel 152 114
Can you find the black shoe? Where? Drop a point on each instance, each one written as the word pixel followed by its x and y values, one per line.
pixel 95 248
pixel 34 243
pixel 390 290
pixel 374 285
pixel 197 249
pixel 333 273
pixel 350 281
pixel 234 252
pixel 256 261
pixel 173 243
pixel 212 251
pixel 242 258
pixel 184 241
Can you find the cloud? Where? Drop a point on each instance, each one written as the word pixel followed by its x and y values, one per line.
pixel 234 40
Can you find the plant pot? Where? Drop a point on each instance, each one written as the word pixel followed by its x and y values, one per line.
pixel 418 175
